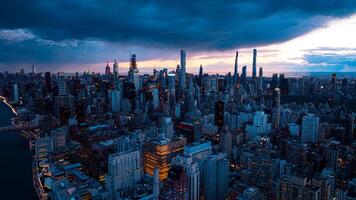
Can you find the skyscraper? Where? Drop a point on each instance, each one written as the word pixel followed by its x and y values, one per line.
pixel 125 169
pixel 236 72
pixel 155 93
pixel 33 69
pixel 107 69
pixel 15 92
pixel 243 77
pixel 333 154
pixel 219 114
pixel 215 183
pixel 254 70
pixel 276 109
pixel 260 79
pixel 310 128
pixel 167 127
pixel 115 101
pixel 115 68
pixel 182 79
pixel 62 88
pixel 191 175
pixel 48 82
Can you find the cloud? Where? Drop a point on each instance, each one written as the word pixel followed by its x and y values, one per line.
pixel 16 35
pixel 71 30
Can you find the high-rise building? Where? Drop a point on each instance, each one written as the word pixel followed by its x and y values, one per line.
pixel 167 127
pixel 333 82
pixel 15 92
pixel 216 177
pixel 219 114
pixel 276 109
pixel 310 128
pixel 115 68
pixel 260 79
pixel 48 82
pixel 191 175
pixel 62 87
pixel 254 69
pixel 225 142
pixel 333 154
pixel 182 78
pixel 107 69
pixel 33 69
pixel 60 138
pixel 244 77
pixel 236 69
pixel 115 101
pixel 158 154
pixel 155 94
pixel 259 125
pixel 124 171
pixel 297 152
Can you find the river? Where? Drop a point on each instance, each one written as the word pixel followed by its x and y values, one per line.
pixel 15 166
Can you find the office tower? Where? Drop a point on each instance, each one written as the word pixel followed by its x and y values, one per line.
pixel 236 68
pixel 259 125
pixel 115 68
pixel 171 82
pixel 136 81
pixel 155 94
pixel 158 154
pixel 260 79
pixel 62 88
pixel 107 69
pixel 333 154
pixel 200 76
pixel 182 79
pixel 219 114
pixel 43 147
pixel 48 82
pixel 59 137
pixel 201 71
pixel 15 92
pixel 133 65
pixel 296 152
pixel 115 101
pixel 216 177
pixel 333 82
pixel 276 109
pixel 167 127
pixel 225 142
pixel 243 77
pixel 124 171
pixel 190 175
pixel 156 184
pixel 310 128
pixel 251 193
pixel 133 73
pixel 274 82
pixel 254 70
pixel 171 89
pixel 175 186
pixel 33 69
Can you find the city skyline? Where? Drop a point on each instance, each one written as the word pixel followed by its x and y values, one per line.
pixel 292 36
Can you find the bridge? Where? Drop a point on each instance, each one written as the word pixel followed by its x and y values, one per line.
pixel 21 129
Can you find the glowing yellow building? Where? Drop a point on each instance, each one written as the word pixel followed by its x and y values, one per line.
pixel 158 154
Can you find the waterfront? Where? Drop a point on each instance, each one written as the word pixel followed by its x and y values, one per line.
pixel 15 162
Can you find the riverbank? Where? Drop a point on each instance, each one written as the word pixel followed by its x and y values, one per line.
pixel 16 161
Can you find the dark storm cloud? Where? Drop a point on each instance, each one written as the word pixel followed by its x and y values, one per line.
pixel 199 25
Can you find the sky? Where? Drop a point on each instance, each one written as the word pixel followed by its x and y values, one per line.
pixel 78 35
